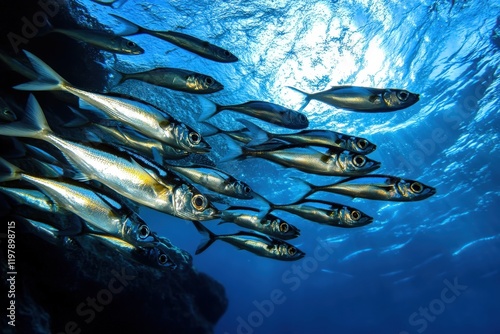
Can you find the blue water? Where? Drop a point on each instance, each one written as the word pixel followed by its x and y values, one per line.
pixel 430 266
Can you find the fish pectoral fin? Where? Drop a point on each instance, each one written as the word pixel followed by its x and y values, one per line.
pixel 325 158
pixel 157 156
pixel 164 124
pixel 375 98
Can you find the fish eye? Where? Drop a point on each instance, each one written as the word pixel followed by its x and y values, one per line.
pixel 403 95
pixel 417 187
pixel 144 231
pixel 284 227
pixel 194 138
pixel 356 215
pixel 246 189
pixel 302 118
pixel 292 250
pixel 362 143
pixel 209 81
pixel 359 161
pixel 199 202
pixel 162 259
pixel 131 44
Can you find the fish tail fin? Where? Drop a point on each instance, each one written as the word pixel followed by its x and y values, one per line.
pixel 259 135
pixel 204 244
pixel 208 109
pixel 311 188
pixel 48 79
pixel 33 125
pixel 131 28
pixel 234 152
pixel 307 99
pixel 9 172
pixel 211 130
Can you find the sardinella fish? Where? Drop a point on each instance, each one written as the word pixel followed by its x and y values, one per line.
pixel 149 121
pixel 117 170
pixel 363 99
pixel 187 42
pixel 258 244
pixel 97 209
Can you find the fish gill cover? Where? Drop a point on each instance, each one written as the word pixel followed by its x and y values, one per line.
pixel 424 266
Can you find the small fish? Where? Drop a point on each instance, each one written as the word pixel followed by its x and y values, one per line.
pixel 187 42
pixel 102 40
pixel 305 159
pixel 242 135
pixel 215 180
pixel 116 169
pixel 31 197
pixel 6 113
pixel 376 187
pixel 325 138
pixel 176 79
pixel 255 243
pixel 144 118
pixel 335 215
pixel 134 140
pixel 95 208
pixel 363 99
pixel 151 254
pixel 267 224
pixel 266 111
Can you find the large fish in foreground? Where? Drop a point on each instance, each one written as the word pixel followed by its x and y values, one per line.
pixel 176 79
pixel 256 243
pixel 95 208
pixel 117 170
pixel 266 111
pixel 363 99
pixel 147 120
pixel 325 138
pixel 376 187
pixel 305 159
pixel 187 42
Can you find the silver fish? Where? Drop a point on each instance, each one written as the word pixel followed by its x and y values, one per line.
pixel 266 111
pixel 334 163
pixel 95 208
pixel 267 224
pixel 325 138
pixel 187 42
pixel 363 99
pixel 132 139
pixel 242 135
pixel 117 170
pixel 176 79
pixel 31 197
pixel 376 187
pixel 335 215
pixel 255 243
pixel 102 40
pixel 215 180
pixel 145 119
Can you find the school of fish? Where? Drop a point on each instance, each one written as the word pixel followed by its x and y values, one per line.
pixel 132 154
